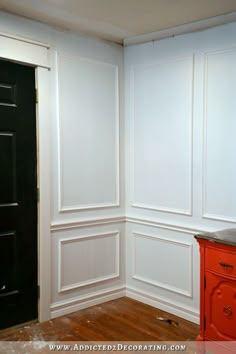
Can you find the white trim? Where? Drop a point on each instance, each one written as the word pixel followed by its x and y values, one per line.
pixel 58 226
pixel 181 29
pixel 172 227
pixel 23 51
pixel 116 274
pixel 65 307
pixel 218 217
pixel 158 207
pixel 205 214
pixel 37 54
pixel 162 209
pixel 44 208
pixel 181 310
pixel 75 304
pixel 70 225
pixel 62 208
pixel 88 207
pixel 26 40
pixel 187 293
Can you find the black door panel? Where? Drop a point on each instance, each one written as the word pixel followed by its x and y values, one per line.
pixel 18 195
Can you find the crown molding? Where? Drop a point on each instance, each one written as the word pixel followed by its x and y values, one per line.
pixel 182 29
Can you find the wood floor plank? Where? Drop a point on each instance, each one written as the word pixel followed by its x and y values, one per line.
pixel 122 319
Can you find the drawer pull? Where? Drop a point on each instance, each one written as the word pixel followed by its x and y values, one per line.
pixel 226 265
pixel 227 310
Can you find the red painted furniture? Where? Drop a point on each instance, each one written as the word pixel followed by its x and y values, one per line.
pixel 218 286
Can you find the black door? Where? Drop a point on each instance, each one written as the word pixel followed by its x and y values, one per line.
pixel 18 195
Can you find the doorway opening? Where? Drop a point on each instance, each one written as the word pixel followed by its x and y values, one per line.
pixel 18 195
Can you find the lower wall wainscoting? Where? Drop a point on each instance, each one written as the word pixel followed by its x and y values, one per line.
pixel 68 306
pixel 175 308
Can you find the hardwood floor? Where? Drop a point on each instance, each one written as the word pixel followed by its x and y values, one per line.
pixel 123 319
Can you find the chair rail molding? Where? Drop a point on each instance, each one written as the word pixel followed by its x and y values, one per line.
pixel 77 224
pixel 191 230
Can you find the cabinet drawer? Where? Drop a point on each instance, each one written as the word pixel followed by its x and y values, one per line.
pixel 221 261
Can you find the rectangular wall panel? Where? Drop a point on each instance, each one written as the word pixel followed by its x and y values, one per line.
pixel 219 167
pixel 163 263
pixel 88 134
pixel 87 260
pixel 162 136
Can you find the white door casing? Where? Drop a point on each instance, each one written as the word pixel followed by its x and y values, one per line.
pixel 36 54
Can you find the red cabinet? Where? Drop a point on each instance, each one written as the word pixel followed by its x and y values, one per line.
pixel 217 287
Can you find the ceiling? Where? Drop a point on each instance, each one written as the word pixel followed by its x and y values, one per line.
pixel 116 20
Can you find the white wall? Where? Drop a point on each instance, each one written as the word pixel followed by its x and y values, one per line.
pixel 176 145
pixel 87 174
pixel 180 164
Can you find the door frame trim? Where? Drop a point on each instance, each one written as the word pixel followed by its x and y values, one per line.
pixel 37 54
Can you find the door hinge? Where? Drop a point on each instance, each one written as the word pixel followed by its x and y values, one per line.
pixel 38 195
pixel 38 291
pixel 204 323
pixel 36 96
pixel 204 282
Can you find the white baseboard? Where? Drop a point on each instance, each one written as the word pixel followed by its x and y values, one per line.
pixel 68 306
pixel 188 313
